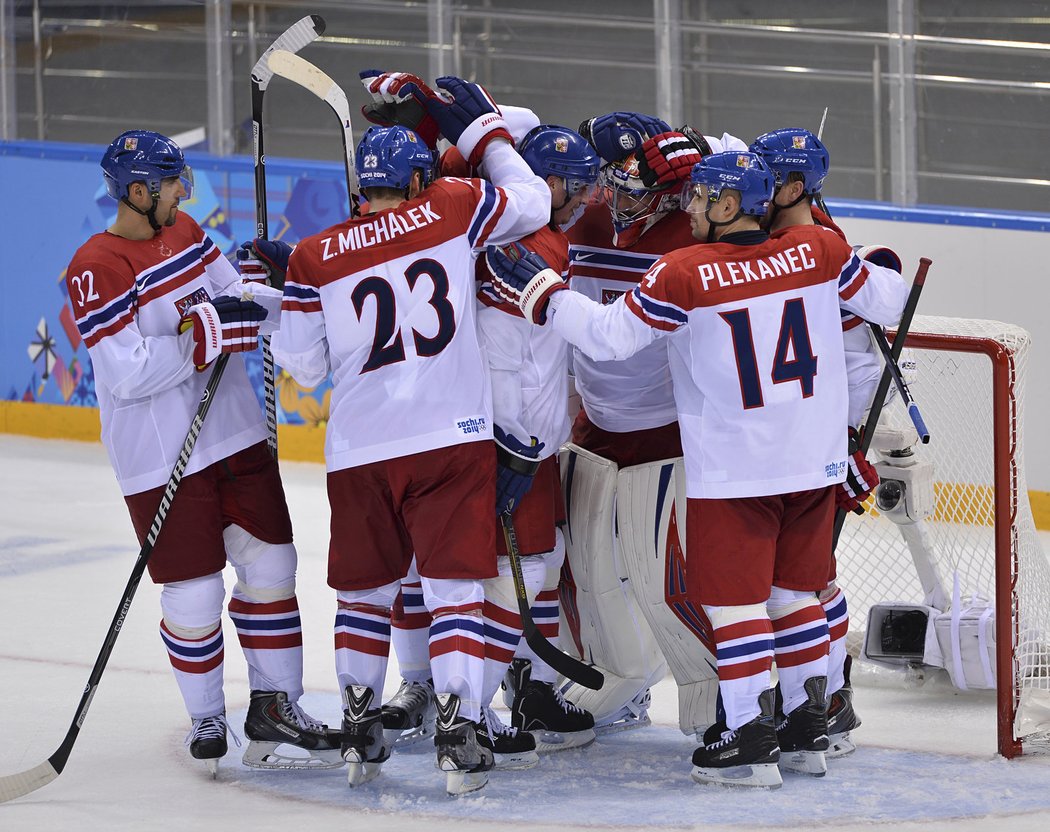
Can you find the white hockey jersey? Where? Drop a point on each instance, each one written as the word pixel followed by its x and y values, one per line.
pixel 758 361
pixel 529 364
pixel 127 298
pixel 386 302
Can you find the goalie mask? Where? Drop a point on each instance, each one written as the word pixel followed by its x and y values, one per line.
pixel 388 156
pixel 632 205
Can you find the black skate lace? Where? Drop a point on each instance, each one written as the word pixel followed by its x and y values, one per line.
pixel 211 728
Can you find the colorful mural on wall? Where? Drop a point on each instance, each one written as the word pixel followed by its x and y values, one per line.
pixel 52 199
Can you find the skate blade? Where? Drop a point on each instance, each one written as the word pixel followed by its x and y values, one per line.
pixel 213 767
pixel 628 724
pixel 358 774
pixel 840 746
pixel 811 763
pixel 547 741
pixel 519 761
pixel 458 783
pixel 277 755
pixel 760 776
pixel 397 738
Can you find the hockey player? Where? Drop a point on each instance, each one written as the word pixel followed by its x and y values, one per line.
pixel 760 508
pixel 156 303
pixel 628 412
pixel 386 303
pixel 529 367
pixel 800 161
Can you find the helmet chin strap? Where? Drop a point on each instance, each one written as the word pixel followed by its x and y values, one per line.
pixel 775 209
pixel 713 224
pixel 150 214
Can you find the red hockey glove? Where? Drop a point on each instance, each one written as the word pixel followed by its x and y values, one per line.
pixel 393 104
pixel 667 159
pixel 860 481
pixel 225 325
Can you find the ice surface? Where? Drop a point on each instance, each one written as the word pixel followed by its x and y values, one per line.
pixel 926 760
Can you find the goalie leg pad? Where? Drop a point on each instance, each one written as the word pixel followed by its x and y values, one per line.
pixel 191 629
pixel 650 502
pixel 612 630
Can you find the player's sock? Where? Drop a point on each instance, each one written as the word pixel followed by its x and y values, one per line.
pixel 744 649
pixel 410 631
pixel 196 656
pixel 362 643
pixel 837 615
pixel 800 632
pixel 457 641
pixel 271 637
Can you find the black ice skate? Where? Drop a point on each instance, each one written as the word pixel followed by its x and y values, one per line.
pixel 746 756
pixel 282 735
pixel 841 720
pixel 207 740
pixel 410 714
pixel 540 709
pixel 512 750
pixel 803 733
pixel 364 744
pixel 465 760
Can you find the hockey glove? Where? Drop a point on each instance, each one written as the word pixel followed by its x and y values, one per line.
pixel 516 465
pixel 465 113
pixel 264 261
pixel 880 256
pixel 523 278
pixel 667 159
pixel 860 481
pixel 617 135
pixel 393 104
pixel 225 325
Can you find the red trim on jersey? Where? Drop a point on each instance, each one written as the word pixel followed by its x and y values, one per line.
pixel 293 305
pixel 490 226
pixel 125 318
pixel 854 285
pixel 655 323
pixel 852 323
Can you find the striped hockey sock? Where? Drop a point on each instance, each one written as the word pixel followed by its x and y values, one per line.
pixel 744 650
pixel 410 633
pixel 457 655
pixel 271 636
pixel 801 642
pixel 197 663
pixel 362 645
pixel 837 615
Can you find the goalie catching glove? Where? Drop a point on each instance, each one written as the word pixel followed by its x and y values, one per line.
pixel 226 324
pixel 394 104
pixel 264 261
pixel 860 481
pixel 516 465
pixel 523 278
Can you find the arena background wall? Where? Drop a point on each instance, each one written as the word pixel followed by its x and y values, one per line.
pixel 986 265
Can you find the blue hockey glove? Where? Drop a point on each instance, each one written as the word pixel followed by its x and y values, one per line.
pixel 523 278
pixel 516 465
pixel 393 103
pixel 226 324
pixel 466 114
pixel 264 261
pixel 880 256
pixel 617 135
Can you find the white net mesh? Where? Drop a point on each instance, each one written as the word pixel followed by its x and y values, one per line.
pixel 955 393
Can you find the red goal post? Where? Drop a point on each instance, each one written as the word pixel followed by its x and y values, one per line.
pixel 969 378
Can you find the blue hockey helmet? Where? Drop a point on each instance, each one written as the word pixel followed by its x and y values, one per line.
pixel 551 150
pixel 794 150
pixel 143 156
pixel 388 156
pixel 743 172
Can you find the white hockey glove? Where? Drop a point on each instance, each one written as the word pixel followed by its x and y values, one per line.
pixel 225 325
pixel 523 278
pixel 880 256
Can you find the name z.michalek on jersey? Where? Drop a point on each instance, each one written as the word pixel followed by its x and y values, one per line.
pixel 384 227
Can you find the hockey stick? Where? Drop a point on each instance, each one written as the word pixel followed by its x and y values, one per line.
pixel 565 664
pixel 305 74
pixel 294 38
pixel 24 782
pixel 884 383
pixel 900 383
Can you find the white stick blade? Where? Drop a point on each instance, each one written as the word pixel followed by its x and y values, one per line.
pixel 16 785
pixel 291 66
pixel 301 33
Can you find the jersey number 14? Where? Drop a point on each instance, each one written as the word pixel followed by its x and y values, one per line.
pixel 793 340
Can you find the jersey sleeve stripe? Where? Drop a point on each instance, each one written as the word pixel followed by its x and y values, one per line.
pixel 657 315
pixel 148 279
pixel 111 318
pixel 482 212
pixel 497 214
pixel 301 291
pixel 174 281
pixel 300 298
pixel 848 290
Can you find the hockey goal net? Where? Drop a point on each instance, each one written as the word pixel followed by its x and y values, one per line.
pixel 968 376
